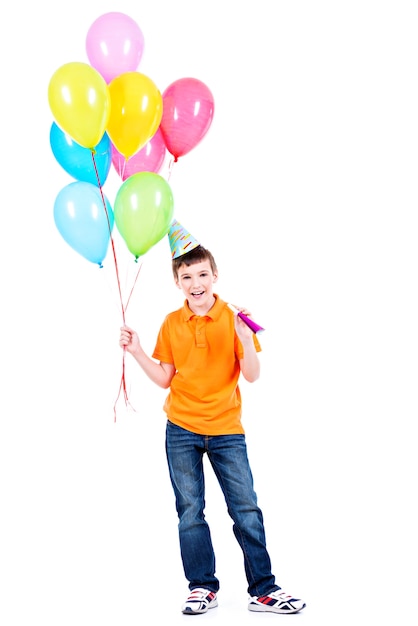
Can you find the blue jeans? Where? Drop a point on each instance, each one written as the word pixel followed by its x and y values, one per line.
pixel 228 457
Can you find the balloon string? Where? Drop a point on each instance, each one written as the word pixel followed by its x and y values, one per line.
pixel 170 168
pixel 133 286
pixel 122 385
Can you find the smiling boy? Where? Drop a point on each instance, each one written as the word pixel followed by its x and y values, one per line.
pixel 200 353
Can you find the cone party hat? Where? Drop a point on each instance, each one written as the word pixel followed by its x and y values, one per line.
pixel 181 241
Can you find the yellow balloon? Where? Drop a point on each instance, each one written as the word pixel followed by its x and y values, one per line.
pixel 135 113
pixel 80 102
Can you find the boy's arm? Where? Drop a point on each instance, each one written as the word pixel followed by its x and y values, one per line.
pixel 250 363
pixel 160 373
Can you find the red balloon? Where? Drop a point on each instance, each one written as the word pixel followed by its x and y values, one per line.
pixel 188 108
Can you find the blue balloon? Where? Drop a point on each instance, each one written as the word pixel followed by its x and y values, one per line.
pixel 84 221
pixel 78 161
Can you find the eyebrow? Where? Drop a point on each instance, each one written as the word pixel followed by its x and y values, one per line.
pixel 202 271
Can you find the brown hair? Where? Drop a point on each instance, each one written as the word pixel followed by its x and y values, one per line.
pixel 196 255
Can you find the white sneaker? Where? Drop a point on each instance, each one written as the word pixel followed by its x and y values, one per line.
pixel 199 601
pixel 276 602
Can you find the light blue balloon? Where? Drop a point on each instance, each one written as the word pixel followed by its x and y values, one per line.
pixel 84 220
pixel 78 161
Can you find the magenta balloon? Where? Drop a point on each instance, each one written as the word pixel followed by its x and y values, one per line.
pixel 149 159
pixel 188 109
pixel 114 45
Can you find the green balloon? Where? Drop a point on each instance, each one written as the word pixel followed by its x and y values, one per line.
pixel 143 211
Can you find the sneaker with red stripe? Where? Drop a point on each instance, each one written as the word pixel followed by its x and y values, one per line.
pixel 276 602
pixel 199 601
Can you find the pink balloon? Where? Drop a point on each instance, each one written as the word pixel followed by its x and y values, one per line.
pixel 149 159
pixel 114 45
pixel 188 108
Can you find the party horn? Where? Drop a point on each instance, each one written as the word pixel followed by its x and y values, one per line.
pixel 250 323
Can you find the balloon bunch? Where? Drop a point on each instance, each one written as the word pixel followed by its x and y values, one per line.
pixel 107 113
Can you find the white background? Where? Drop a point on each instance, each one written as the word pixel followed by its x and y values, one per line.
pixel 305 189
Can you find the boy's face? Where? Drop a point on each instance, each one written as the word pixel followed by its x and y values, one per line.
pixel 196 282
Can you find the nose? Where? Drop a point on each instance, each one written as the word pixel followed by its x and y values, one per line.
pixel 195 281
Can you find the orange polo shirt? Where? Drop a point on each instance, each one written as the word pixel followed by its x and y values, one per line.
pixel 204 395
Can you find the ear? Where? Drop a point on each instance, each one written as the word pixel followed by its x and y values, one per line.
pixel 215 277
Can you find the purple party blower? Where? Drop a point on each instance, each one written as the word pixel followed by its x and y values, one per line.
pixel 250 323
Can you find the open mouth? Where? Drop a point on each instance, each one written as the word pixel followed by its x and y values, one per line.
pixel 197 294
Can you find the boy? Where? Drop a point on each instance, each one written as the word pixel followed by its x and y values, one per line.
pixel 200 352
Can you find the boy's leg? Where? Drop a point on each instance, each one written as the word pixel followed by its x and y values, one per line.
pixel 185 451
pixel 228 456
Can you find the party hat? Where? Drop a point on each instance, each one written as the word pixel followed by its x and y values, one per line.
pixel 180 240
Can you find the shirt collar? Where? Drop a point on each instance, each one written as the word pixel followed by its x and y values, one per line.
pixel 214 312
